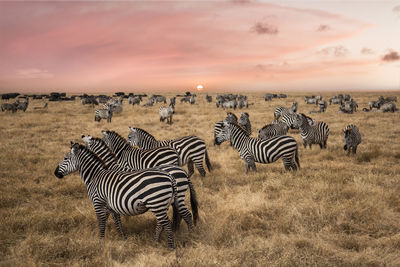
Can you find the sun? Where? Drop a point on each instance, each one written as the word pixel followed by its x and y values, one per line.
pixel 199 87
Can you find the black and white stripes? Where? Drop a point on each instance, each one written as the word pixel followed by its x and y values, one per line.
pixel 122 193
pixel 191 149
pixel 253 150
pixel 352 138
pixel 312 134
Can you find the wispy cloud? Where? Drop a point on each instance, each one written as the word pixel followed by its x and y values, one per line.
pixel 264 28
pixel 323 28
pixel 396 10
pixel 337 51
pixel 367 51
pixel 33 73
pixel 391 56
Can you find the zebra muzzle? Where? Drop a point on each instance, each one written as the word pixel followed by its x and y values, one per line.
pixel 58 174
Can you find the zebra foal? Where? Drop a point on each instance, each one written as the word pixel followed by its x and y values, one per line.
pixel 122 193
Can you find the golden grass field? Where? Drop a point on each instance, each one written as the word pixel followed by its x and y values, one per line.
pixel 335 211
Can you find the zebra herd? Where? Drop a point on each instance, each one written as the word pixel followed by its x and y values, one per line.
pixel 136 174
pixel 124 180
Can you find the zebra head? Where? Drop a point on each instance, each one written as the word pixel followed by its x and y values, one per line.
pixel 347 137
pixel 133 137
pixel 69 164
pixel 87 139
pixel 223 134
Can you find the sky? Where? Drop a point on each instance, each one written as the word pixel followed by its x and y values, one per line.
pixel 238 45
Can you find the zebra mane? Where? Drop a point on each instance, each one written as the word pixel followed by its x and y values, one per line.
pixel 140 130
pixel 101 141
pixel 238 127
pixel 119 136
pixel 86 150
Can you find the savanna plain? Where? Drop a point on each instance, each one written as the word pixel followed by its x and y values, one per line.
pixel 335 211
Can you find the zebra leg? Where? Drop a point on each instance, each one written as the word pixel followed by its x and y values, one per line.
pixel 102 215
pixel 321 146
pixel 185 214
pixel 164 223
pixel 200 168
pixel 310 145
pixel 176 218
pixel 190 167
pixel 354 149
pixel 118 223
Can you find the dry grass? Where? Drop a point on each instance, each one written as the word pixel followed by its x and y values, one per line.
pixel 334 211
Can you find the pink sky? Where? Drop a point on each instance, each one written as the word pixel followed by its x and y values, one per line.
pixel 176 45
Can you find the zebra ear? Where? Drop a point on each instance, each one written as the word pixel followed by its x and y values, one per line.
pixel 104 132
pixel 72 143
pixel 131 129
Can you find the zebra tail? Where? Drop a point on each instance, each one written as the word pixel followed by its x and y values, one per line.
pixel 296 157
pixel 207 161
pixel 193 202
pixel 175 215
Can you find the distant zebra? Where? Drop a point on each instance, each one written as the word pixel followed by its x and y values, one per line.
pixel 209 98
pixel 135 158
pixel 122 193
pixel 161 98
pixel 100 148
pixel 276 128
pixel 244 122
pixel 166 113
pixel 312 134
pixel 229 104
pixel 191 149
pixel 253 150
pixel 388 107
pixel 352 138
pixel 103 114
pixel 9 107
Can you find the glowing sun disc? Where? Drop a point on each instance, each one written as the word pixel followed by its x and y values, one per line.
pixel 199 87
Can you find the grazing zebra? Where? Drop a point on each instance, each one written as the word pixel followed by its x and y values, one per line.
pixel 135 158
pixel 100 148
pixel 352 138
pixel 134 100
pixel 276 128
pixel 166 113
pixel 280 111
pixel 244 122
pixel 23 105
pixel 103 114
pixel 191 149
pixel 229 104
pixel 253 150
pixel 9 107
pixel 161 98
pixel 312 134
pixel 122 193
pixel 388 107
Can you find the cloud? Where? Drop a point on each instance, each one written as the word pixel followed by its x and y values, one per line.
pixel 241 2
pixel 367 51
pixel 264 28
pixel 396 10
pixel 337 51
pixel 391 56
pixel 33 73
pixel 323 27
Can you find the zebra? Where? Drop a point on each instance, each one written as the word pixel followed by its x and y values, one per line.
pixel 229 104
pixel 23 105
pixel 161 98
pixel 134 100
pixel 103 114
pixel 388 107
pixel 191 149
pixel 244 122
pixel 209 98
pixel 312 134
pixel 243 103
pixel 100 148
pixel 352 138
pixel 186 99
pixel 281 111
pixel 172 101
pixel 166 113
pixel 253 150
pixel 135 158
pixel 192 100
pixel 276 128
pixel 150 102
pixel 9 107
pixel 122 193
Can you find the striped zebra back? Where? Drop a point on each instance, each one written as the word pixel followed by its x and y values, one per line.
pixel 139 158
pixel 352 136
